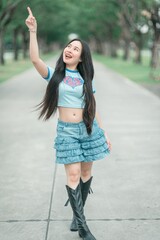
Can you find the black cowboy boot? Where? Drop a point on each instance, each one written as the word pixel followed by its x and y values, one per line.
pixel 85 189
pixel 75 198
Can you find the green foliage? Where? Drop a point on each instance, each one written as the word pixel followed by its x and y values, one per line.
pixel 7 9
pixel 58 18
pixel 90 19
pixel 106 20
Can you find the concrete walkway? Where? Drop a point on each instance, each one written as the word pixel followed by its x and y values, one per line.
pixel 125 204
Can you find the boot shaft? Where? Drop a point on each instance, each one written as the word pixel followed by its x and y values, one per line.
pixel 75 198
pixel 85 189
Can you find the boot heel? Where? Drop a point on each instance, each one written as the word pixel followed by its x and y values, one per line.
pixel 73 226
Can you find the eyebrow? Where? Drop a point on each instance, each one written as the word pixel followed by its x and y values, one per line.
pixel 74 46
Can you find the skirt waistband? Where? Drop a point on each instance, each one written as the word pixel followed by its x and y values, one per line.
pixel 71 124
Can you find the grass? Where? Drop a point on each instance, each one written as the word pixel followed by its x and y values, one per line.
pixel 12 68
pixel 140 73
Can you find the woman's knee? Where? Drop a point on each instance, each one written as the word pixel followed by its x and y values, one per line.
pixel 74 176
pixel 86 170
pixel 73 173
pixel 86 173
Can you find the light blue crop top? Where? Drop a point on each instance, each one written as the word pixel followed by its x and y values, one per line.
pixel 70 89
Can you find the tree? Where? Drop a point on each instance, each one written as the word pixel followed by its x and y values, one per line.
pixel 153 14
pixel 133 25
pixel 7 9
pixel 97 21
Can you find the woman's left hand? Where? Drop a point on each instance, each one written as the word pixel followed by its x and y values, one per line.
pixel 108 142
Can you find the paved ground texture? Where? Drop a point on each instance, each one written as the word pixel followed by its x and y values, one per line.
pixel 125 204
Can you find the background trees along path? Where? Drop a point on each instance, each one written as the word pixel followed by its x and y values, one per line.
pixel 107 25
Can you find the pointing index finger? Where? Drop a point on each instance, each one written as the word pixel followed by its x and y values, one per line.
pixel 29 11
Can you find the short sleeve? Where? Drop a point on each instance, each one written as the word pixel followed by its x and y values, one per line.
pixel 50 74
pixel 93 86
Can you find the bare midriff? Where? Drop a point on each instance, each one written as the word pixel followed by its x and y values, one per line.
pixel 70 114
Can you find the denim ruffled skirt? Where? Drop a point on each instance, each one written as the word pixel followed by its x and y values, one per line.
pixel 73 144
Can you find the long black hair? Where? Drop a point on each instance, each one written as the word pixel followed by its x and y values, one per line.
pixel 86 70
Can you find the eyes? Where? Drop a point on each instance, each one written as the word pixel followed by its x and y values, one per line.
pixel 74 48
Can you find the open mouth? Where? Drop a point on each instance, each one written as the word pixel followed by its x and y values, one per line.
pixel 68 56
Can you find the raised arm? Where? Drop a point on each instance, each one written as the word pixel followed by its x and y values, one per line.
pixel 33 45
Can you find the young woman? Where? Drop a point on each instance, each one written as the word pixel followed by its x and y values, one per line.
pixel 80 138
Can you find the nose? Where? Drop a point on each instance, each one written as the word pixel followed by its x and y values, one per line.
pixel 70 50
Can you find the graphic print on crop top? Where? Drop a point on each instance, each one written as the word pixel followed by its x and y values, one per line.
pixel 72 81
pixel 76 81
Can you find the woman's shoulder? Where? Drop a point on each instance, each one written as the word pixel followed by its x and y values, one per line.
pixel 50 73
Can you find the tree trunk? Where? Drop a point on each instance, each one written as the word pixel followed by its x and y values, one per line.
pixel 137 58
pixel 126 50
pixel 155 58
pixel 24 44
pixel 113 49
pixel 15 43
pixel 139 46
pixel 2 61
pixel 99 46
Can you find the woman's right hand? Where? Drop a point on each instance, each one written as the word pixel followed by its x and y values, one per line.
pixel 31 21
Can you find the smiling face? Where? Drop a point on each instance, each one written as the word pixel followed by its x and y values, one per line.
pixel 72 54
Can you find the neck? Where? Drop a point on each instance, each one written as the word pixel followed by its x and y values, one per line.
pixel 71 67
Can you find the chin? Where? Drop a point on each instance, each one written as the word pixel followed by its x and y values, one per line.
pixel 65 61
pixel 68 62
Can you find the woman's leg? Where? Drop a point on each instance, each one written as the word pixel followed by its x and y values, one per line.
pixel 73 173
pixel 76 197
pixel 86 180
pixel 86 171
